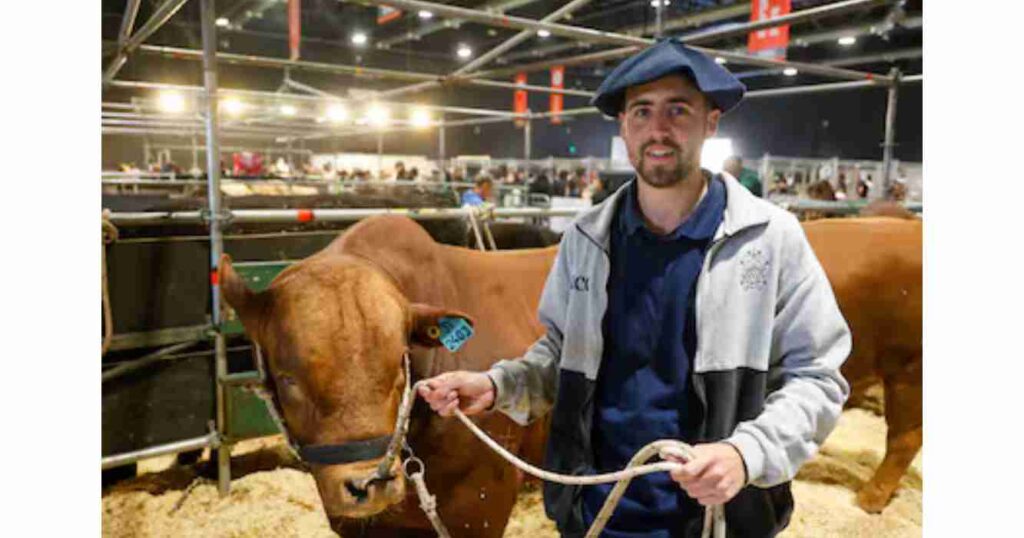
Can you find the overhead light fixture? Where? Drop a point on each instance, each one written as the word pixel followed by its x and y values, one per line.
pixel 223 22
pixel 233 106
pixel 719 60
pixel 664 3
pixel 378 115
pixel 288 110
pixel 847 40
pixel 464 51
pixel 426 15
pixel 543 33
pixel 172 102
pixel 337 113
pixel 320 119
pixel 420 118
pixel 790 71
pixel 359 38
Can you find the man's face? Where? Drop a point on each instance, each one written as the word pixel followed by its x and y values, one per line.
pixel 664 124
pixel 486 190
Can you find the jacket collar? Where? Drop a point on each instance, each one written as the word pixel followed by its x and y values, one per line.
pixel 742 210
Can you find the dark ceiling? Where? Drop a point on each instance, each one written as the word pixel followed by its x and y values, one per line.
pixel 891 36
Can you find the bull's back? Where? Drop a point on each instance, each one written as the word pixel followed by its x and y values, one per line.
pixel 501 290
pixel 874 266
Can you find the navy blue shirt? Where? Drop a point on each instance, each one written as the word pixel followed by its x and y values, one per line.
pixel 643 387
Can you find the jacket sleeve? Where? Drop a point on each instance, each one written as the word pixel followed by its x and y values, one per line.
pixel 810 342
pixel 526 386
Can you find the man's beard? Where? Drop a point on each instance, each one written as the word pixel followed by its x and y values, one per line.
pixel 660 176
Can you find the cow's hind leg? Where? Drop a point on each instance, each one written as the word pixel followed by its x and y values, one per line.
pixel 903 440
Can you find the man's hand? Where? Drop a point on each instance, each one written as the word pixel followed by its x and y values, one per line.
pixel 715 474
pixel 472 392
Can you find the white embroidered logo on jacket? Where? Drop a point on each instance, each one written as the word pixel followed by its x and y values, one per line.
pixel 754 273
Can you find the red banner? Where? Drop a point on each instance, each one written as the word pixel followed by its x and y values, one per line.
pixel 520 100
pixel 557 99
pixel 769 42
pixel 294 27
pixel 387 14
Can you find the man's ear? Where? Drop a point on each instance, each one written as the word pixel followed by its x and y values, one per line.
pixel 711 127
pixel 234 291
pixel 425 326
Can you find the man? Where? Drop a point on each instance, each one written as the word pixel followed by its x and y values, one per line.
pixel 747 177
pixel 683 307
pixel 480 193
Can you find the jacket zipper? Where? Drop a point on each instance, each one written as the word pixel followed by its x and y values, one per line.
pixel 698 382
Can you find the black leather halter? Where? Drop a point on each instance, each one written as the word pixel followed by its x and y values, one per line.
pixel 326 454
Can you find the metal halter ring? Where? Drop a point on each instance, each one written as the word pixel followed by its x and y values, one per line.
pixel 405 466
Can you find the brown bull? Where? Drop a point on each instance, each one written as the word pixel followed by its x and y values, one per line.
pixel 874 266
pixel 334 328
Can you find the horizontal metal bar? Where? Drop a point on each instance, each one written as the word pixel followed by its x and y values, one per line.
pixel 325 215
pixel 827 87
pixel 130 366
pixel 160 337
pixel 281 63
pixel 241 378
pixel 159 17
pixel 209 440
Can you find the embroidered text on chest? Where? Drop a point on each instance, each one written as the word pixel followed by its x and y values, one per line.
pixel 754 266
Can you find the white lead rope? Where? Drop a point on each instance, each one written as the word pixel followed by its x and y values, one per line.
pixel 714 517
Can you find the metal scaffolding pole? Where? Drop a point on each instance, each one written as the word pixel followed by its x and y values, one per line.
pixel 485 58
pixel 689 20
pixel 322 95
pixel 161 16
pixel 890 131
pixel 499 6
pixel 440 141
pixel 216 217
pixel 252 216
pixel 527 139
pixel 658 23
pixel 598 36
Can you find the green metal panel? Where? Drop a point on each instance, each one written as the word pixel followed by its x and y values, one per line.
pixel 257 275
pixel 247 415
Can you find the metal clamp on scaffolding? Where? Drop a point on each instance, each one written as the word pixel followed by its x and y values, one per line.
pixel 224 217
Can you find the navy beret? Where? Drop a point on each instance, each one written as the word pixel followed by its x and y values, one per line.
pixel 666 57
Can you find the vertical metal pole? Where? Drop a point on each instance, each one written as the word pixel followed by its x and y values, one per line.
pixel 380 154
pixel 890 132
pixel 440 141
pixel 527 135
pixel 207 15
pixel 657 18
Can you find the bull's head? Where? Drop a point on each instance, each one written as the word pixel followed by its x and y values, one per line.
pixel 334 331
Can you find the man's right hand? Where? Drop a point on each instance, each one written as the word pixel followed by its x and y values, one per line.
pixel 472 392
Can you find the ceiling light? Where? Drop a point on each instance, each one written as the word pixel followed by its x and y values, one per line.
pixel 790 71
pixel 847 40
pixel 719 60
pixel 233 106
pixel 664 3
pixel 320 119
pixel 378 115
pixel 337 113
pixel 172 102
pixel 425 15
pixel 464 51
pixel 223 22
pixel 359 38
pixel 420 118
pixel 288 110
pixel 543 33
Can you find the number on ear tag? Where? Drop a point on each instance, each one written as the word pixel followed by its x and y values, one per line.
pixel 454 332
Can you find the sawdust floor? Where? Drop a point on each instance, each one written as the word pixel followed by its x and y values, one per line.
pixel 269 498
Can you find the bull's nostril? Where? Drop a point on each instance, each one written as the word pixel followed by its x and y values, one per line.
pixel 358 494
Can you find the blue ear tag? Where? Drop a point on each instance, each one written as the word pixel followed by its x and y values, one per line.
pixel 454 332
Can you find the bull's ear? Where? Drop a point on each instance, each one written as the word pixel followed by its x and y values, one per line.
pixel 425 328
pixel 235 292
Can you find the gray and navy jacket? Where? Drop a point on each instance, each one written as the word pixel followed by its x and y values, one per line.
pixel 770 342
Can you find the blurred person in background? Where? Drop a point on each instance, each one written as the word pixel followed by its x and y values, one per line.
pixel 747 177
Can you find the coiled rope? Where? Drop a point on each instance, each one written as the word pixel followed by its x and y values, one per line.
pixel 714 518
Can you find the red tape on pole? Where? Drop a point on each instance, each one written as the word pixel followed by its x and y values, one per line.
pixel 305 215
